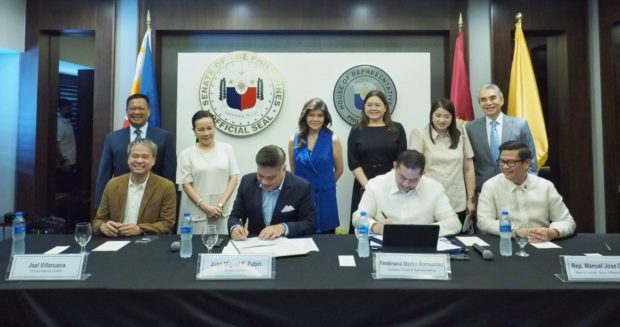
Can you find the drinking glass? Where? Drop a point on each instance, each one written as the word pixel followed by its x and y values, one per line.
pixel 522 236
pixel 83 233
pixel 209 236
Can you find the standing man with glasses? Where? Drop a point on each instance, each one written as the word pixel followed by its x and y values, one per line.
pixel 488 132
pixel 531 201
pixel 114 155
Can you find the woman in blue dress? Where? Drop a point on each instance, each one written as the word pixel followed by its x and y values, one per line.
pixel 315 153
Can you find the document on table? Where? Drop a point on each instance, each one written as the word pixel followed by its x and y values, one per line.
pixel 545 245
pixel 444 245
pixel 470 240
pixel 110 246
pixel 57 249
pixel 280 247
pixel 346 261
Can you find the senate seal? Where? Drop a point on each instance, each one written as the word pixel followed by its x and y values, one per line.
pixel 243 91
pixel 352 87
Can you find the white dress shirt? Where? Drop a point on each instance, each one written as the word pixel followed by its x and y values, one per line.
pixel 134 199
pixel 534 203
pixel 132 132
pixel 427 203
pixel 499 128
pixel 66 139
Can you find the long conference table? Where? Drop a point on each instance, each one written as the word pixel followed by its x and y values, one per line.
pixel 147 284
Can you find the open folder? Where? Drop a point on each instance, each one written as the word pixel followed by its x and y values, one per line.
pixel 280 247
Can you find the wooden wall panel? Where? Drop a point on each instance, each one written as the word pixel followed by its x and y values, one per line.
pixel 609 17
pixel 37 95
pixel 187 16
pixel 572 118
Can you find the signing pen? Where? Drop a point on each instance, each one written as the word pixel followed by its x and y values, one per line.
pixel 608 247
pixel 384 215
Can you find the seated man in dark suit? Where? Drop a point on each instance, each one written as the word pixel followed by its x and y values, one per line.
pixel 274 201
pixel 139 202
pixel 114 155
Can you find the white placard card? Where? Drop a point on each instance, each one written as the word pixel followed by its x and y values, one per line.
pixel 47 267
pixel 411 266
pixel 241 266
pixel 590 268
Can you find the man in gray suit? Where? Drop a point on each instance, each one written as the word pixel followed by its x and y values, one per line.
pixel 487 133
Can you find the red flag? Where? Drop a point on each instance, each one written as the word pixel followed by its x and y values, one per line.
pixel 460 93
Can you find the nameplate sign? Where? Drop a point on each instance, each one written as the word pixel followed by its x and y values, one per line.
pixel 221 266
pixel 591 268
pixel 411 266
pixel 47 267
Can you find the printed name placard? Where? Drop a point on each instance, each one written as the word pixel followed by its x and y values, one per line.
pixel 242 266
pixel 591 268
pixel 411 266
pixel 47 267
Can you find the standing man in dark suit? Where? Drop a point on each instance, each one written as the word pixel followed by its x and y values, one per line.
pixel 487 133
pixel 272 202
pixel 114 155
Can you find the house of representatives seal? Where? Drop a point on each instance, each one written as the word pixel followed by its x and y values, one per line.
pixel 352 87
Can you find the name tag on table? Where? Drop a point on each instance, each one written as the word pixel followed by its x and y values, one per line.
pixel 239 266
pixel 590 268
pixel 47 267
pixel 411 266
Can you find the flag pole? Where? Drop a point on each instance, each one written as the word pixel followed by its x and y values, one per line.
pixel 519 17
pixel 148 19
pixel 460 93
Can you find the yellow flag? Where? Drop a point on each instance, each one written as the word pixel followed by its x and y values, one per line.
pixel 523 98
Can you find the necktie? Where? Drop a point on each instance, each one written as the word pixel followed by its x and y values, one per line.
pixel 138 134
pixel 494 141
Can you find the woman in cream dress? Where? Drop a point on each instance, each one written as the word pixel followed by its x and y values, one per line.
pixel 449 156
pixel 208 173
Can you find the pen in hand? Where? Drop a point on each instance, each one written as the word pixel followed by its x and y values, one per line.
pixel 608 247
pixel 244 229
pixel 384 215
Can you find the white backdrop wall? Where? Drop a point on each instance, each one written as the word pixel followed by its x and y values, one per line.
pixel 308 75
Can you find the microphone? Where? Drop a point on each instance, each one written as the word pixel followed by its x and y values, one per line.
pixel 175 246
pixel 486 254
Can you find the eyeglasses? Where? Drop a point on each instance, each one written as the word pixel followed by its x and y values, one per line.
pixel 509 163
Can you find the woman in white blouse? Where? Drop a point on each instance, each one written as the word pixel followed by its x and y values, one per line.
pixel 208 172
pixel 449 156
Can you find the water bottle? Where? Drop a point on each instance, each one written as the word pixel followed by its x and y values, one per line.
pixel 505 233
pixel 363 247
pixel 186 236
pixel 19 234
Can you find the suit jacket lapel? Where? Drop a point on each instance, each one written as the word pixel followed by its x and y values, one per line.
pixel 485 135
pixel 149 190
pixel 126 134
pixel 275 218
pixel 122 196
pixel 507 133
pixel 258 198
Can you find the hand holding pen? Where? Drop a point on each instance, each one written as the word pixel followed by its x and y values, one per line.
pixel 240 232
pixel 378 227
